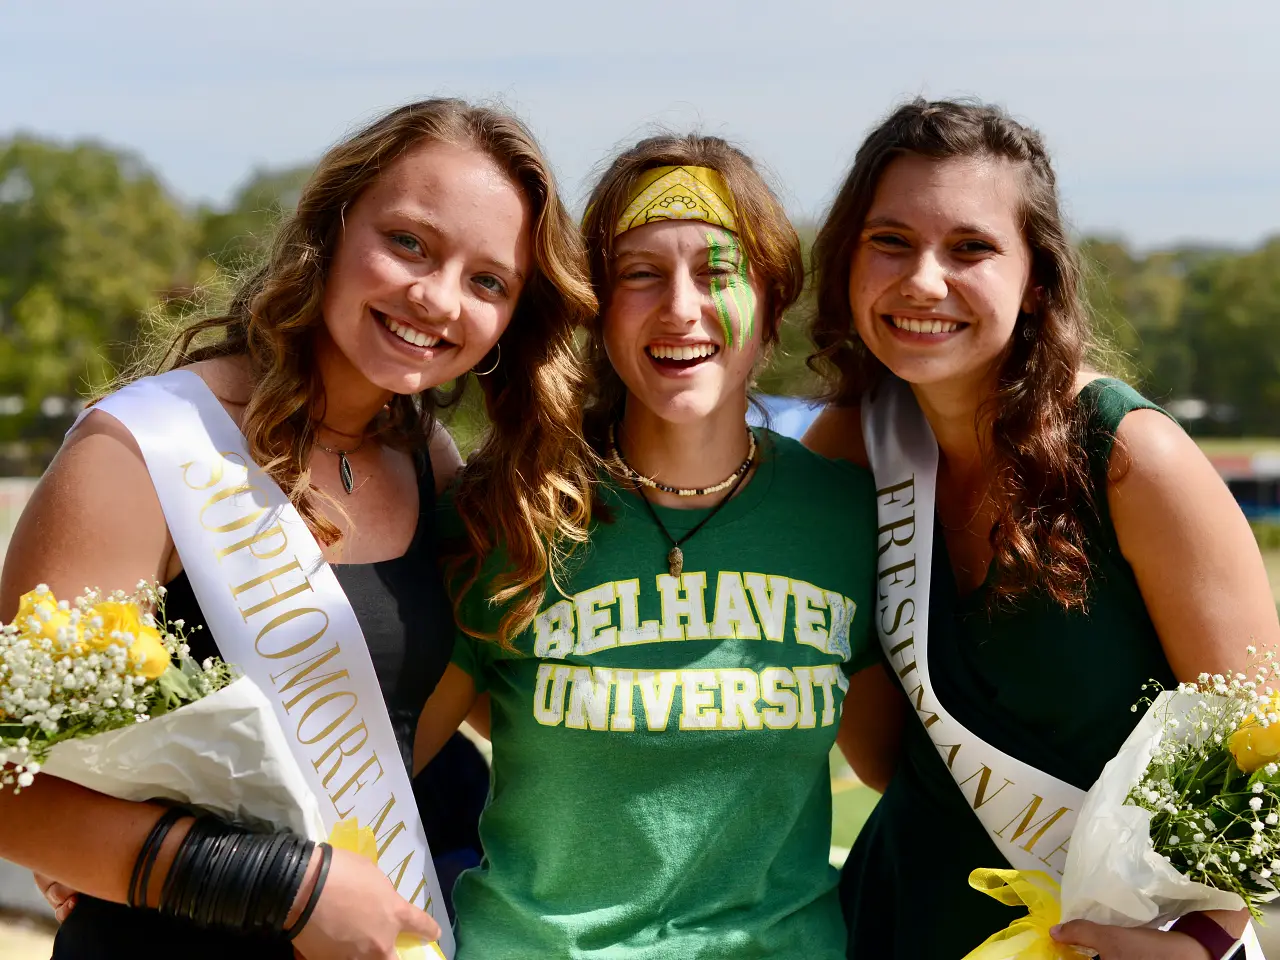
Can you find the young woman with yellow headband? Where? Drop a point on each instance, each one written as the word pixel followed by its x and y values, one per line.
pixel 661 729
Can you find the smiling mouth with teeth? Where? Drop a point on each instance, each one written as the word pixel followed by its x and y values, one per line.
pixel 914 325
pixel 408 334
pixel 668 355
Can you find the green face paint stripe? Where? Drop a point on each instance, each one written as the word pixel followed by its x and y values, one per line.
pixel 745 298
pixel 735 289
pixel 719 285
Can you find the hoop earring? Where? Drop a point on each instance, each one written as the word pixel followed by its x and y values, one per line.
pixel 496 361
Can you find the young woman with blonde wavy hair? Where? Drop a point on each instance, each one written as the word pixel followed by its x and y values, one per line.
pixel 1049 540
pixel 427 246
pixel 661 731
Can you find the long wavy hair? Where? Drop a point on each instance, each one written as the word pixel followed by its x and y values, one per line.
pixel 527 486
pixel 770 241
pixel 1042 481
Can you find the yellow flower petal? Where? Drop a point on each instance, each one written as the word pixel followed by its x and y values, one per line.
pixel 148 654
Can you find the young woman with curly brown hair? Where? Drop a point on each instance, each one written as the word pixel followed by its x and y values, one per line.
pixel 1049 539
pixel 428 246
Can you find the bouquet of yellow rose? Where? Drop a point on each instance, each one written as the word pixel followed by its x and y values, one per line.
pixel 104 692
pixel 1185 818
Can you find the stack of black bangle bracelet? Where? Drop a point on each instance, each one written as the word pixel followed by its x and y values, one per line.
pixel 228 878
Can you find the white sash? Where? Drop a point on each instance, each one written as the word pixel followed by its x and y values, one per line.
pixel 1027 813
pixel 280 616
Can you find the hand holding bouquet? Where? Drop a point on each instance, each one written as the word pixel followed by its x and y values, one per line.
pixel 103 692
pixel 1185 818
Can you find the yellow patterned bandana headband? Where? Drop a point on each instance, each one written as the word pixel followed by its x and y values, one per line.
pixel 679 193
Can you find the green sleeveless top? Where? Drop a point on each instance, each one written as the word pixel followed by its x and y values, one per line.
pixel 1050 687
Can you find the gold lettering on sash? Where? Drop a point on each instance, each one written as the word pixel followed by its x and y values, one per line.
pixel 927 717
pixel 897 618
pixel 894 571
pixel 239 523
pixel 330 728
pixel 340 745
pixel 890 528
pixel 301 671
pixel 426 903
pixel 215 471
pixel 984 779
pixel 272 531
pixel 333 724
pixel 355 778
pixel 399 868
pixel 280 621
pixel 276 596
pixel 1028 814
pixel 1062 849
pixel 949 750
pixel 893 489
pixel 384 841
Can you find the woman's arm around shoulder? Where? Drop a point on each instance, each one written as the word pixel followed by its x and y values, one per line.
pixel 837 433
pixel 871 725
pixel 446 708
pixel 1190 547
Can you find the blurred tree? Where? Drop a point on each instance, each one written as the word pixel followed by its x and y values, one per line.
pixel 89 237
pixel 786 373
pixel 1231 321
pixel 237 237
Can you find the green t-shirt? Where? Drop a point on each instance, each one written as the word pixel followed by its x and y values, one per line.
pixel 660 785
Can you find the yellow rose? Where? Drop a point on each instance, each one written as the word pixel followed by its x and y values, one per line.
pixel 148 654
pixel 117 616
pixel 1253 745
pixel 43 607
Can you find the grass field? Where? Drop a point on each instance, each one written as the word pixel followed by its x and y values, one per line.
pixel 1238 446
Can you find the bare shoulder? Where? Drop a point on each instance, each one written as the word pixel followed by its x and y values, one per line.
pixel 445 459
pixel 230 379
pixel 94 519
pixel 837 433
pixel 1189 546
pixel 1152 448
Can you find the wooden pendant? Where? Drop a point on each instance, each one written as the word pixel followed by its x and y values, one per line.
pixel 675 561
pixel 344 471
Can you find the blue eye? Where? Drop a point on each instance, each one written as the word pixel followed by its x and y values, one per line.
pixel 491 283
pixel 408 241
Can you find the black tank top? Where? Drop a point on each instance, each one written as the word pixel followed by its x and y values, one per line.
pixel 407 622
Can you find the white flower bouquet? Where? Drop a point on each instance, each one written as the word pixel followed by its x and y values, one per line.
pixel 1185 818
pixel 103 692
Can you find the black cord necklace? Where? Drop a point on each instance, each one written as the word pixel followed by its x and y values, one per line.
pixel 675 557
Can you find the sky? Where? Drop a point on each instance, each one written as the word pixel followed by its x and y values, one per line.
pixel 1162 115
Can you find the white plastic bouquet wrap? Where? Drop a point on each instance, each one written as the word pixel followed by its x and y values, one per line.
pixel 1185 818
pixel 106 695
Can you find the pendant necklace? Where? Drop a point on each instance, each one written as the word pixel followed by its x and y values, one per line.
pixel 675 556
pixel 344 465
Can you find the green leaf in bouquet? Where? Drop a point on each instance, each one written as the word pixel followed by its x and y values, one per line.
pixel 173 689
